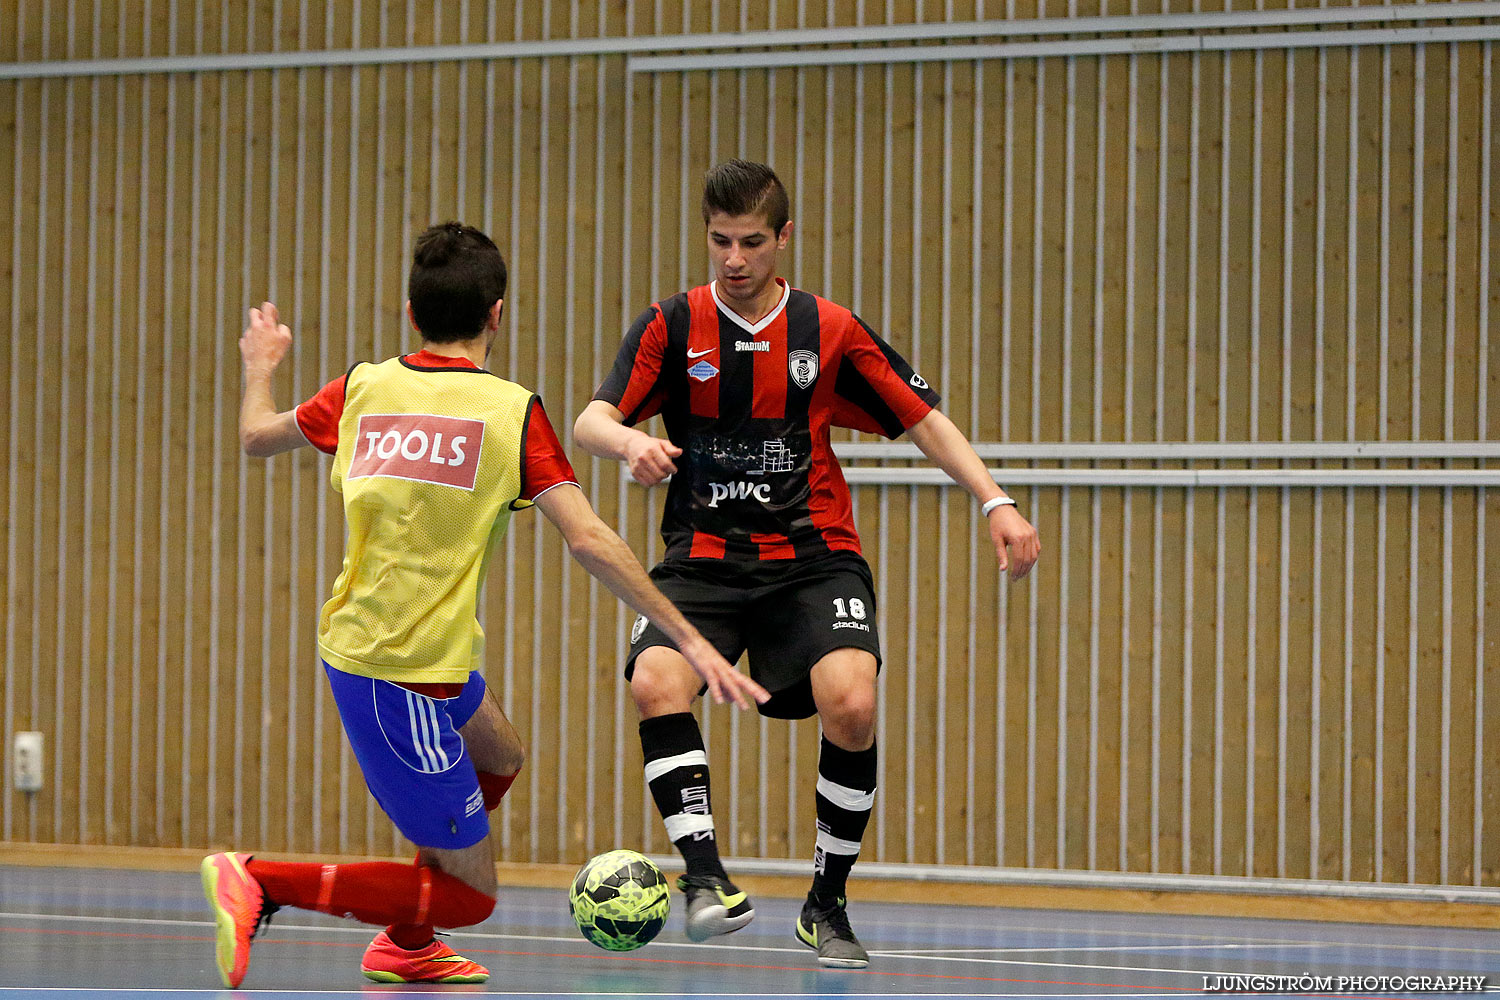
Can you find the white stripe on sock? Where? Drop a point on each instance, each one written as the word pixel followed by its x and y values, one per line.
pixel 829 844
pixel 681 825
pixel 663 765
pixel 845 797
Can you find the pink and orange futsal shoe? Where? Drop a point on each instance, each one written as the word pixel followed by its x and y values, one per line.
pixel 436 963
pixel 240 907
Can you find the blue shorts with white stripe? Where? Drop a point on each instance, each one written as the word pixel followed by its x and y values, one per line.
pixel 413 758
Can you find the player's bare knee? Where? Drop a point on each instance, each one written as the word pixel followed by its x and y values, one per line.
pixel 504 759
pixel 852 734
pixel 512 759
pixel 510 754
pixel 849 723
pixel 478 873
pixel 651 697
pixel 491 889
pixel 657 687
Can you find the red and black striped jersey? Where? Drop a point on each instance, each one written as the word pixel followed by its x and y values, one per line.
pixel 752 407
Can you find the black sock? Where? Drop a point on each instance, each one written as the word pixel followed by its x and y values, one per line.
pixel 677 774
pixel 846 793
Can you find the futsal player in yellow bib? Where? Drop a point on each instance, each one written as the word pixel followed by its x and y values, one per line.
pixel 432 454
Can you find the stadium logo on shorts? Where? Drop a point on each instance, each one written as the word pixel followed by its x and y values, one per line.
pixel 918 381
pixel 638 629
pixel 803 366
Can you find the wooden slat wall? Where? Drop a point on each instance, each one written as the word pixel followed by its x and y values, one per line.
pixel 1255 246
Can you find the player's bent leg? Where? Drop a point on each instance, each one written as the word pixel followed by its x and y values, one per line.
pixel 843 685
pixel 417 763
pixel 664 687
pixel 462 889
pixel 497 753
pixel 244 891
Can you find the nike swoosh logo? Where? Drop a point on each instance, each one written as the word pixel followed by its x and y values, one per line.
pixel 699 354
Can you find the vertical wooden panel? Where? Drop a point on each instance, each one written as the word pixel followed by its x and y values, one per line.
pixel 172 419
pixel 10 129
pixel 1464 847
pixel 44 442
pixel 73 584
pixel 20 807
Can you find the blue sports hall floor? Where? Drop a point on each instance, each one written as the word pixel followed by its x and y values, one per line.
pixel 126 934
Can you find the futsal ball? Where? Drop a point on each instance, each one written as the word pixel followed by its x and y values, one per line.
pixel 620 900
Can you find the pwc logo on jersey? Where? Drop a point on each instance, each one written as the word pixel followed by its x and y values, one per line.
pixel 418 446
pixel 738 491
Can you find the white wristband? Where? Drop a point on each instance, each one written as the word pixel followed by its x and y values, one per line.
pixel 997 502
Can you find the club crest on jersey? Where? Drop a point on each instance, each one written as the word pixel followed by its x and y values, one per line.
pixel 803 366
pixel 703 371
pixel 419 446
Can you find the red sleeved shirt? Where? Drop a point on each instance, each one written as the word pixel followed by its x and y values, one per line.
pixel 546 464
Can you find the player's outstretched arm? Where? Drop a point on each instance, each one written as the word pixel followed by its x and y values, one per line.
pixel 600 430
pixel 1016 543
pixel 264 431
pixel 606 556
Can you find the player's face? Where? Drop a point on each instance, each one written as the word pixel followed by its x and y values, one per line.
pixel 744 250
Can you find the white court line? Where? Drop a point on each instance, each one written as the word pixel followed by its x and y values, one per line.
pixel 1242 943
pixel 657 944
pixel 919 952
pixel 1207 942
pixel 1033 929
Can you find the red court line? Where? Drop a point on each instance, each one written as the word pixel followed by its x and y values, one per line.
pixel 633 959
pixel 6 929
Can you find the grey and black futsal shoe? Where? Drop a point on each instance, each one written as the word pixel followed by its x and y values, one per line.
pixel 827 929
pixel 714 906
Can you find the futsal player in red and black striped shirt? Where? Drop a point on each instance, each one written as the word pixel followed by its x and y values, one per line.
pixel 749 376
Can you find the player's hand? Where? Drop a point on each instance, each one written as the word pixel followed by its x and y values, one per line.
pixel 265 341
pixel 650 459
pixel 1016 541
pixel 725 682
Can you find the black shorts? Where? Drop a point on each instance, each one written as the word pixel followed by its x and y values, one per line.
pixel 788 615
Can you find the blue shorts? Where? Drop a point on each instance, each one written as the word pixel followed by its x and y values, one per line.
pixel 413 758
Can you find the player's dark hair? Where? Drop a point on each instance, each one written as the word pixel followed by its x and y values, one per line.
pixel 457 273
pixel 740 187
